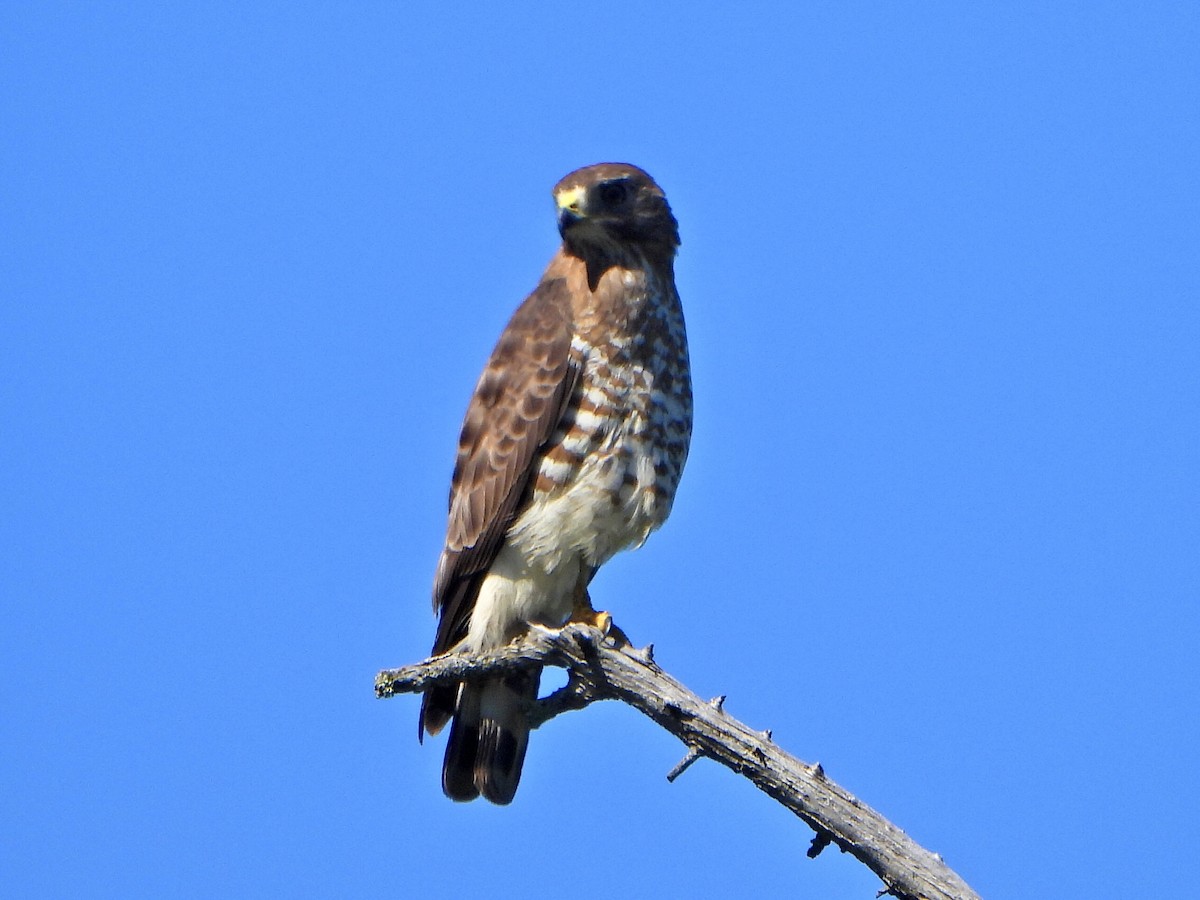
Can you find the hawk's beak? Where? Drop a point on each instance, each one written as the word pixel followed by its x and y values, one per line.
pixel 570 207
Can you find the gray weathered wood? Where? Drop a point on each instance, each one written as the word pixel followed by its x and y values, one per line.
pixel 600 669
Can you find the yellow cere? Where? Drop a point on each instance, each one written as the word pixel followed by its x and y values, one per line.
pixel 570 198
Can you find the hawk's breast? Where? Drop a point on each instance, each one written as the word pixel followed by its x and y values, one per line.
pixel 608 474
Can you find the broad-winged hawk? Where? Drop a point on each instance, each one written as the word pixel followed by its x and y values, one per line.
pixel 572 448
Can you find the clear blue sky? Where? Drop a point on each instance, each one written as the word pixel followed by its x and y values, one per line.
pixel 940 529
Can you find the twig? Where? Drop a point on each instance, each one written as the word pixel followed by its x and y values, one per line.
pixel 599 670
pixel 682 766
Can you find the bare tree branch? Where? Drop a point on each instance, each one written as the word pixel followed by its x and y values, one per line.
pixel 598 669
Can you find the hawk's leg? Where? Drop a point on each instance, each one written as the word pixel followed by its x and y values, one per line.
pixel 582 612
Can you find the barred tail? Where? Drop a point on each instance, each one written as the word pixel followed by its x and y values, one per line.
pixel 486 748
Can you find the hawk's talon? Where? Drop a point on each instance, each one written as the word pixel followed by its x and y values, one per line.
pixel 583 614
pixel 618 635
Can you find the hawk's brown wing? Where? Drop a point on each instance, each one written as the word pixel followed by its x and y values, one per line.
pixel 518 403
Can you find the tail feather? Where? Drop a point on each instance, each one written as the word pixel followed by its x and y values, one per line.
pixel 486 748
pixel 437 706
pixel 462 747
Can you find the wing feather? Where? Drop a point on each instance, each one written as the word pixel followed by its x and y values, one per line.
pixel 520 399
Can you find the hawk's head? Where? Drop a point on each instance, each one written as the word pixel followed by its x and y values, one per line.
pixel 610 208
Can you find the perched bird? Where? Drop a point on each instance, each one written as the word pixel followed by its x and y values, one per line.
pixel 571 450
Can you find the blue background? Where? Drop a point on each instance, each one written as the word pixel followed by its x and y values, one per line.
pixel 940 529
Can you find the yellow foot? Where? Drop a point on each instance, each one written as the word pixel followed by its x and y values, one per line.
pixel 582 612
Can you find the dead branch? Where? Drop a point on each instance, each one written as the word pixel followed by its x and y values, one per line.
pixel 598 669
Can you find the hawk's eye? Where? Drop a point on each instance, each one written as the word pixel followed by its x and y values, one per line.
pixel 612 193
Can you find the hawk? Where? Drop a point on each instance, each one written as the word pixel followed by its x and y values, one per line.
pixel 572 447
